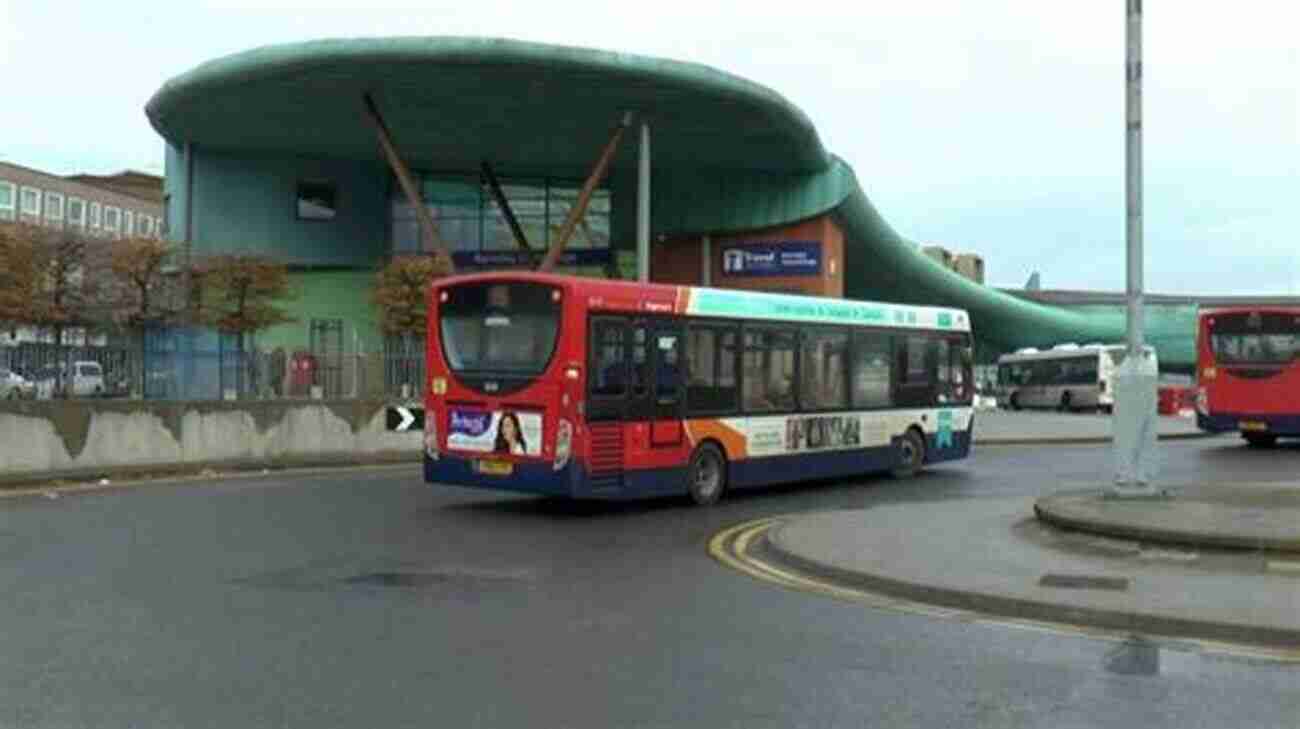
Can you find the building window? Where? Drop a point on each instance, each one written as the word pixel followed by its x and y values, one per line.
pixel 76 212
pixel 317 200
pixel 8 200
pixel 31 200
pixel 146 226
pixel 53 206
pixel 112 218
pixel 94 216
pixel 128 223
pixel 470 220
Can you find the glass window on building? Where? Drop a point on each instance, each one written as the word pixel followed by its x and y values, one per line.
pixel 112 218
pixel 146 226
pixel 94 215
pixel 31 201
pixel 53 206
pixel 317 200
pixel 593 230
pixel 469 218
pixel 8 200
pixel 76 212
pixel 128 223
pixel 528 203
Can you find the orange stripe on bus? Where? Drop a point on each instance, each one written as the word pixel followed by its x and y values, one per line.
pixel 732 440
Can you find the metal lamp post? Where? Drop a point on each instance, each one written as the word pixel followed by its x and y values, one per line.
pixel 1134 421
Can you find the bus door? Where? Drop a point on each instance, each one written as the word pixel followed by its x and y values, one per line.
pixel 654 406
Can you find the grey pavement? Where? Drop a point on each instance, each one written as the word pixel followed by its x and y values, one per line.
pixel 994 556
pixel 1025 426
pixel 365 598
pixel 1260 516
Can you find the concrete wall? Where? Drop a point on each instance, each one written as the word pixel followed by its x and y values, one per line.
pixel 248 204
pixel 40 438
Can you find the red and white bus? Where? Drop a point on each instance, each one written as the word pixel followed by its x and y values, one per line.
pixel 1248 372
pixel 588 388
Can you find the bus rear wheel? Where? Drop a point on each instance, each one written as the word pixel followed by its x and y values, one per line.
pixel 1015 401
pixel 1257 440
pixel 708 475
pixel 911 454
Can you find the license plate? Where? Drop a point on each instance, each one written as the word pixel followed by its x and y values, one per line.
pixel 1252 425
pixel 496 468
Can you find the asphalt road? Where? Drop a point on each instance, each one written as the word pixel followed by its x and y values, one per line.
pixel 366 599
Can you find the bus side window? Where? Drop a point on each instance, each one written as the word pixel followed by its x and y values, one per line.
pixel 609 366
pixel 640 374
pixel 710 369
pixel 916 359
pixel 871 370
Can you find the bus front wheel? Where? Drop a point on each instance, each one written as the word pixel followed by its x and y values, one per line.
pixel 911 454
pixel 708 475
pixel 1256 440
pixel 1015 401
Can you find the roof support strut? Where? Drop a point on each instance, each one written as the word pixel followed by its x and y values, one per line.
pixel 428 230
pixel 579 208
pixel 495 186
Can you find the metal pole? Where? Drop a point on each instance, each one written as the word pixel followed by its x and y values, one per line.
pixel 1134 422
pixel 1133 182
pixel 643 207
pixel 706 261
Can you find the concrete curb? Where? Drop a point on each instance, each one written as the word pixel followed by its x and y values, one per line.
pixel 1011 607
pixel 143 472
pixel 1097 440
pixel 1044 512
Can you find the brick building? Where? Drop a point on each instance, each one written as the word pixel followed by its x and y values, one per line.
pixel 114 206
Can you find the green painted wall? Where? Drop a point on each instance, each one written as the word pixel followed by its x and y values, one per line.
pixel 248 204
pixel 328 295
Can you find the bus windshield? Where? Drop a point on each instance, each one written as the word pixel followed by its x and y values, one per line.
pixel 1255 338
pixel 507 328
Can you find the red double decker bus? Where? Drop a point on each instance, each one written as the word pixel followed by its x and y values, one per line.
pixel 1248 372
pixel 602 389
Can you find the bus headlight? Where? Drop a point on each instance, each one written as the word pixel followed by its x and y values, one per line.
pixel 430 435
pixel 1202 401
pixel 563 444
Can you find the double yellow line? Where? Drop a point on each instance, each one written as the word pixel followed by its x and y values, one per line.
pixel 733 547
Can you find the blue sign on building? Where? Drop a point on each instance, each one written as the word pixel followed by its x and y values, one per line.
pixel 776 258
pixel 487 259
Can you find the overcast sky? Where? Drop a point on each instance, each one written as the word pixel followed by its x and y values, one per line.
pixel 994 126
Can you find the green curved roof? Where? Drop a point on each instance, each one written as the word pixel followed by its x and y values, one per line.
pixel 451 102
pixel 729 154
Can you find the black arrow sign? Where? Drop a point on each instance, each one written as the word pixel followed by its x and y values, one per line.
pixel 402 419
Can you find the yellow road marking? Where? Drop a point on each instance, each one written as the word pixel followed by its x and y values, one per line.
pixel 731 547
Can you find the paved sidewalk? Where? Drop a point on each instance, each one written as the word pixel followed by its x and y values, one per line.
pixel 1244 516
pixel 993 556
pixel 997 427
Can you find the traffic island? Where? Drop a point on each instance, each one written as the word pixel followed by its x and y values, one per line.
pixel 992 557
pixel 1237 516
